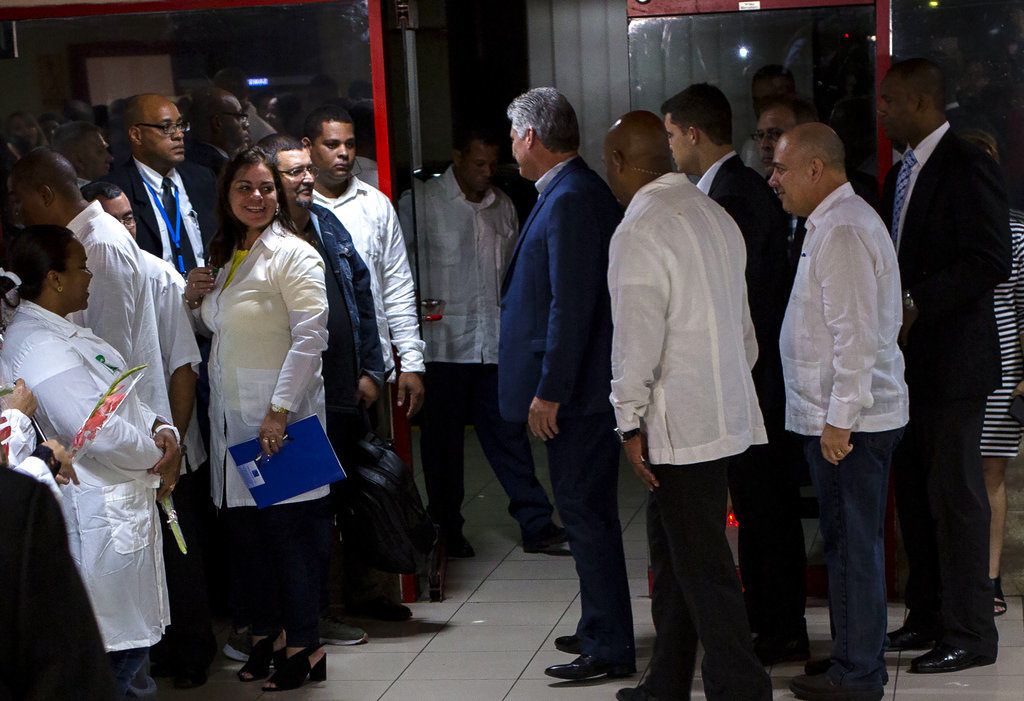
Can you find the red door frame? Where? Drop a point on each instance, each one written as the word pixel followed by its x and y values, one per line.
pixel 637 9
pixel 400 425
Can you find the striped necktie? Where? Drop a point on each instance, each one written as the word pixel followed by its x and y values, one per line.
pixel 902 189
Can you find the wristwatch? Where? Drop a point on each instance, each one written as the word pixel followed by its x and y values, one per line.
pixel 278 409
pixel 908 301
pixel 171 428
pixel 625 436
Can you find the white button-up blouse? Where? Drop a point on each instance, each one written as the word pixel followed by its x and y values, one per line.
pixel 269 330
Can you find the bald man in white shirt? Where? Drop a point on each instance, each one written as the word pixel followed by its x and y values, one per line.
pixel 845 394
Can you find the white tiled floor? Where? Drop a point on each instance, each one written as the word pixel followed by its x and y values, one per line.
pixel 492 637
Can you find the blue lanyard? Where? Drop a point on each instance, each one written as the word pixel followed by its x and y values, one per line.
pixel 174 232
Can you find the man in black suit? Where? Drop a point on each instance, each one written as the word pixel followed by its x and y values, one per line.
pixel 220 128
pixel 763 480
pixel 174 206
pixel 947 211
pixel 50 647
pixel 174 201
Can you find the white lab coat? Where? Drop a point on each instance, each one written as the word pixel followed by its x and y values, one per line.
pixel 269 331
pixel 377 236
pixel 121 310
pixel 464 250
pixel 177 337
pixel 111 516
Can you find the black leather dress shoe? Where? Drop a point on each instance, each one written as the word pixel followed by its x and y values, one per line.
pixel 773 650
pixel 588 667
pixel 458 546
pixel 911 638
pixel 569 643
pixel 946 658
pixel 813 668
pixel 637 693
pixel 546 541
pixel 821 688
pixel 189 679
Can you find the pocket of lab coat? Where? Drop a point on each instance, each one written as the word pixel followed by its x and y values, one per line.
pixel 255 390
pixel 126 511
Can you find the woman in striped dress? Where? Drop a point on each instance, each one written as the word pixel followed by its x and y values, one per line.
pixel 1001 435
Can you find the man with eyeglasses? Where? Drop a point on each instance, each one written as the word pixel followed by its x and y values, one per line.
pixel 353 366
pixel 174 201
pixel 220 129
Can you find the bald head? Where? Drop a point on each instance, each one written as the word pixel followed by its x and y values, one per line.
pixel 808 167
pixel 44 186
pixel 147 119
pixel 817 140
pixel 636 152
pixel 217 118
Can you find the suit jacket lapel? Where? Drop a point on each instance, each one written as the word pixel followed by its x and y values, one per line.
pixel 144 212
pixel 924 190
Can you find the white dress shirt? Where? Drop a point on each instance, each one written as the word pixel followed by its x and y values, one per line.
pixel 121 309
pixel 464 248
pixel 20 441
pixel 922 152
pixel 545 180
pixel 178 345
pixel 377 236
pixel 839 354
pixel 269 331
pixel 189 217
pixel 112 522
pixel 683 343
pixel 704 184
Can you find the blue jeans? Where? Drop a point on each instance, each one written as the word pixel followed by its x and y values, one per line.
pixel 125 665
pixel 852 499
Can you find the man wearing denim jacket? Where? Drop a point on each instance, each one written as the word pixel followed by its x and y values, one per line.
pixel 845 394
pixel 353 365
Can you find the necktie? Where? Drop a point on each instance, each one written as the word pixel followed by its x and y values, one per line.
pixel 902 188
pixel 183 247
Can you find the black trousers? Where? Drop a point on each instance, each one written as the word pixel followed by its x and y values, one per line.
pixel 467 393
pixel 764 482
pixel 696 594
pixel 584 463
pixel 279 555
pixel 944 518
pixel 188 644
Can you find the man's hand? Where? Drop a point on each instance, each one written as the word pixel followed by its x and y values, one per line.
pixel 66 474
pixel 835 443
pixel 410 392
pixel 909 317
pixel 366 391
pixel 636 453
pixel 272 431
pixel 22 399
pixel 169 465
pixel 543 419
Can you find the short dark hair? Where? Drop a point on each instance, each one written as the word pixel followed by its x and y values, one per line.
pixel 273 144
pixel 100 188
pixel 771 71
pixel 38 250
pixel 230 231
pixel 67 136
pixel 314 125
pixel 462 138
pixel 924 77
pixel 803 110
pixel 703 106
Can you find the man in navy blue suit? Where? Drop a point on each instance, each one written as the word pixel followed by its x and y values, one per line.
pixel 554 368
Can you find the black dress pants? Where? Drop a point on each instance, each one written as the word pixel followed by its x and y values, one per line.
pixel 696 594
pixel 944 518
pixel 188 645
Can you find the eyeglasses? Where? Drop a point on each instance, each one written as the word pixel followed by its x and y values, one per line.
pixel 127 219
pixel 772 134
pixel 242 117
pixel 299 170
pixel 167 128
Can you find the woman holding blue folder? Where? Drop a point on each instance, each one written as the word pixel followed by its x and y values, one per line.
pixel 265 303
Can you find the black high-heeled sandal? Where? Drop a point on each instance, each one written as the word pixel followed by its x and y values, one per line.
pixel 999 602
pixel 263 653
pixel 296 669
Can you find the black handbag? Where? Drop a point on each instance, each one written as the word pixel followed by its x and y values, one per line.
pixel 384 516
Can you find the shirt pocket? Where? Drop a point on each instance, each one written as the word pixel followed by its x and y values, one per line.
pixel 255 390
pixel 803 382
pixel 127 515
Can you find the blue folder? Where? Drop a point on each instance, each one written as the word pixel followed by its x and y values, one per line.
pixel 306 461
